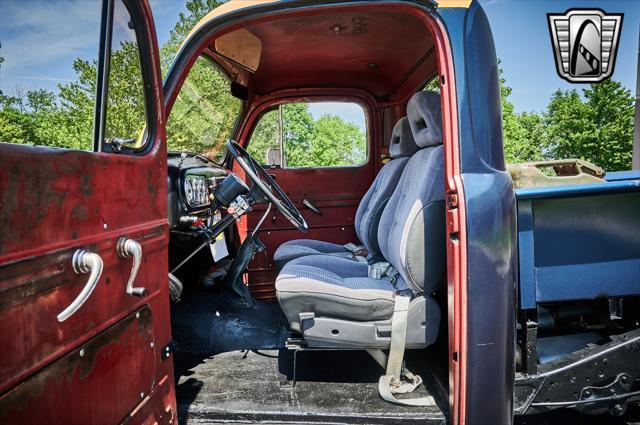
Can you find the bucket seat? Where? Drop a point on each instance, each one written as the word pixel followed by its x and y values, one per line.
pixel 334 302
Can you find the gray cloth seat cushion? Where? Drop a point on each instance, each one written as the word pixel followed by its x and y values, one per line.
pixel 300 247
pixel 370 208
pixel 334 287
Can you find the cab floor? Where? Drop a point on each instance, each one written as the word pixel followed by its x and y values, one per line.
pixel 231 367
pixel 254 387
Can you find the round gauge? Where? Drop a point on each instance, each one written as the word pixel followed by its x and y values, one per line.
pixel 200 190
pixel 189 191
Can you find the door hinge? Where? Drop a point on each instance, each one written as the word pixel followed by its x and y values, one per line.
pixel 452 215
pixel 452 200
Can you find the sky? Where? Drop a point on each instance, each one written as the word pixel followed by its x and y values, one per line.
pixel 41 38
pixel 520 27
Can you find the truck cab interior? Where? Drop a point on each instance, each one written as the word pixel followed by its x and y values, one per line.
pixel 309 252
pixel 325 184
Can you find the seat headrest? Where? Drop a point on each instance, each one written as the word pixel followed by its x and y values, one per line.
pixel 402 143
pixel 425 118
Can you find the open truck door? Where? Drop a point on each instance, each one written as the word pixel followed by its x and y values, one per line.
pixel 84 303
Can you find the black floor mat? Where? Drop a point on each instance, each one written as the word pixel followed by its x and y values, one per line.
pixel 332 387
pixel 204 324
pixel 230 365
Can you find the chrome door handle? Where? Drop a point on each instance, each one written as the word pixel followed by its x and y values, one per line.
pixel 129 248
pixel 83 261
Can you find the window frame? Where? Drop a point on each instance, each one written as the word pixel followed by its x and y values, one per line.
pixel 145 40
pixel 261 111
pixel 149 131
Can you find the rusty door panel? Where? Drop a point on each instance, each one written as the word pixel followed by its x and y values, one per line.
pixel 53 202
pixel 34 291
pixel 51 197
pixel 87 385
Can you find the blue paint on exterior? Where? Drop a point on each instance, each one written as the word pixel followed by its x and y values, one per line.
pixel 613 176
pixel 579 190
pixel 527 288
pixel 579 242
pixel 491 219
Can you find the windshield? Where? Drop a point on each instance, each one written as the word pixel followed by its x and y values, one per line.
pixel 204 113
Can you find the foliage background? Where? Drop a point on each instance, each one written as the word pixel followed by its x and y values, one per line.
pixel 595 124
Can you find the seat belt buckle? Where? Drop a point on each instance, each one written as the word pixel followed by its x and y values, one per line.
pixel 361 251
pixel 358 252
pixel 378 270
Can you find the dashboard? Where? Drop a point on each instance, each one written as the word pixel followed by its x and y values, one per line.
pixel 191 181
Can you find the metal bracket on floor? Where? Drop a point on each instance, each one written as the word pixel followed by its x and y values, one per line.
pixel 286 384
pixel 297 345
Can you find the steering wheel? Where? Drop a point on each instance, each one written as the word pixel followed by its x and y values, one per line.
pixel 267 185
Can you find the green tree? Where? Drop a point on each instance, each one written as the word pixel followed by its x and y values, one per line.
pixel 126 115
pixel 204 112
pixel 265 136
pixel 15 126
pixel 297 134
pixel 325 142
pixel 196 10
pixel 598 129
pixel 337 143
pixel 523 134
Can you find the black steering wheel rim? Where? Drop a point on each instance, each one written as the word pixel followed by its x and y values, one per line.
pixel 258 176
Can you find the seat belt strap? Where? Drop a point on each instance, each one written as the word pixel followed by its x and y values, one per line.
pixel 398 380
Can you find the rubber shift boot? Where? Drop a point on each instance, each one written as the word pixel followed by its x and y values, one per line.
pixel 234 291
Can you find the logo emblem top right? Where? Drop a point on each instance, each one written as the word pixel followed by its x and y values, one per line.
pixel 585 43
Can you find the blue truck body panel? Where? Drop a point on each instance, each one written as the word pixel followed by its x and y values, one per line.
pixel 579 242
pixel 622 175
pixel 490 219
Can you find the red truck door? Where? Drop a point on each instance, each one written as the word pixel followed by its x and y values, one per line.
pixel 84 304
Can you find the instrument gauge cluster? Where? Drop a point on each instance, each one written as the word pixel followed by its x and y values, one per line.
pixel 191 181
pixel 196 190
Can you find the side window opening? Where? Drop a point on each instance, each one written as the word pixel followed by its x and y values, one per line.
pixel 311 134
pixel 433 84
pixel 125 114
pixel 48 84
pixel 204 113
